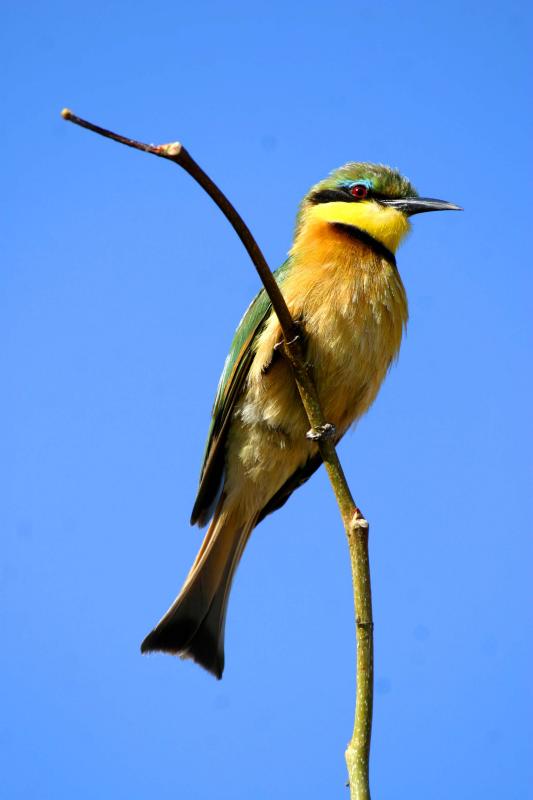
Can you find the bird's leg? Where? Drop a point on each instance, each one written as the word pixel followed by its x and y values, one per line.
pixel 298 334
pixel 277 352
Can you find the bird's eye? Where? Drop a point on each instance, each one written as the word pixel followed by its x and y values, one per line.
pixel 359 190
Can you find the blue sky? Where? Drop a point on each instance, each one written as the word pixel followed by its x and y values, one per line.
pixel 120 288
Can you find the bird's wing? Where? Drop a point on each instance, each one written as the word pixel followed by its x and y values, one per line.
pixel 297 479
pixel 230 386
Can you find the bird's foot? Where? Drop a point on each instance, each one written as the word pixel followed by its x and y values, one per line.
pixel 321 432
pixel 282 342
pixel 297 330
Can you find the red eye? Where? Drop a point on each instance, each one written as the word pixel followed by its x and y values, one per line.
pixel 359 190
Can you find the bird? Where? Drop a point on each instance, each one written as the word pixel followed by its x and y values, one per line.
pixel 341 283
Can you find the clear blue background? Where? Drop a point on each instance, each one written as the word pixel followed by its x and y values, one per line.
pixel 120 287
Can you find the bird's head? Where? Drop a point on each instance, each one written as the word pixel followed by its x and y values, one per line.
pixel 371 198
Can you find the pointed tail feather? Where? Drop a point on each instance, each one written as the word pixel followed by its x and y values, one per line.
pixel 193 627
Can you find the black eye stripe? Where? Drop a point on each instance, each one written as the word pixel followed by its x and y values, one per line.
pixel 343 195
pixel 333 196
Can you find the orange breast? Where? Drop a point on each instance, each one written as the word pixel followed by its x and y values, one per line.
pixel 354 309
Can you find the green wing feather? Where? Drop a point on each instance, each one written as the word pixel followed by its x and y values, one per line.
pixel 230 386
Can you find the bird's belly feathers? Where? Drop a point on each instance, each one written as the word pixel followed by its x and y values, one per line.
pixel 353 325
pixel 351 347
pixel 353 315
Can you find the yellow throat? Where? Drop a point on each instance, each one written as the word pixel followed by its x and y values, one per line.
pixel 387 225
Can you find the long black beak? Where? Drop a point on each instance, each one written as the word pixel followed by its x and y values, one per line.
pixel 417 205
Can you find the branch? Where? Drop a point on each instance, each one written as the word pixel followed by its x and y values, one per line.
pixel 356 527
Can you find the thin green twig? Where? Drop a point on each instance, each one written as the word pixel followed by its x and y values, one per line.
pixel 355 525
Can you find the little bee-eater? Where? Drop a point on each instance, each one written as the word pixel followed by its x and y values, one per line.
pixel 341 283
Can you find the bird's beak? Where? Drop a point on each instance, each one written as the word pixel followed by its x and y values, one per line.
pixel 417 205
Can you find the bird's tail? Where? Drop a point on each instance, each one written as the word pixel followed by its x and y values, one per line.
pixel 193 627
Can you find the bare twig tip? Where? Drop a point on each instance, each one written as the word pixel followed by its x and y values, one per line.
pixel 171 149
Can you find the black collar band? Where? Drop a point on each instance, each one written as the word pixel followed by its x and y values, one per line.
pixel 362 236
